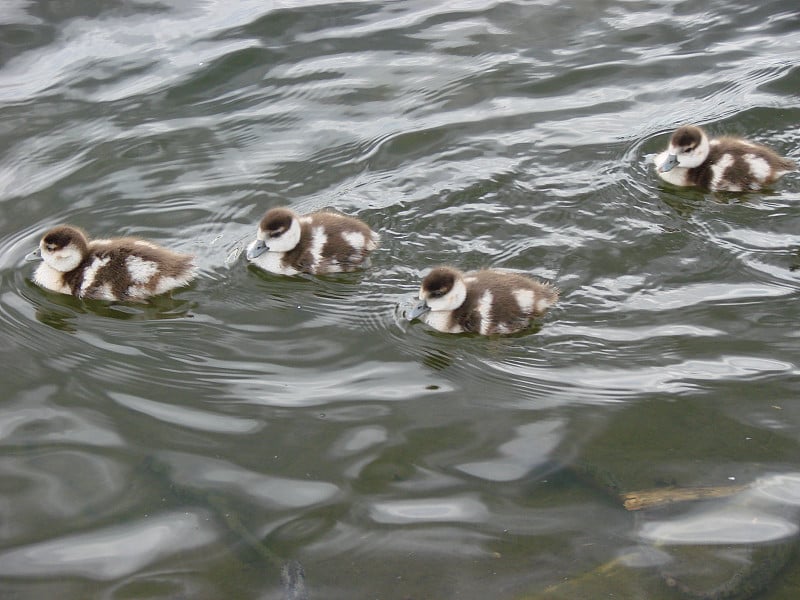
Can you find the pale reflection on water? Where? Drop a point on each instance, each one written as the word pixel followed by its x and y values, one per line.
pixel 195 445
pixel 113 552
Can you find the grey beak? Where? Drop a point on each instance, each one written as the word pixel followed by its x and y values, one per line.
pixel 35 255
pixel 669 164
pixel 419 309
pixel 256 249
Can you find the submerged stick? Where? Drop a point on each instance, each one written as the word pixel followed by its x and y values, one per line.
pixel 663 496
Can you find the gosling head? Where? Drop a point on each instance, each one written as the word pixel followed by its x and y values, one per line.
pixel 688 148
pixel 278 231
pixel 62 248
pixel 443 289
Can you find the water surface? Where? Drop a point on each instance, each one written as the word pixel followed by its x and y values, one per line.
pixel 192 446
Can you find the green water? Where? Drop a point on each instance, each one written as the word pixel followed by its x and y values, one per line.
pixel 193 446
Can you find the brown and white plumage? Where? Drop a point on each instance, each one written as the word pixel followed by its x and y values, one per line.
pixel 321 242
pixel 721 164
pixel 108 269
pixel 485 302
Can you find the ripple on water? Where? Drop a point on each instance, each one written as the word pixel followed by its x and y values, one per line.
pixel 209 474
pixel 306 409
pixel 187 417
pixel 109 553
pixel 37 468
pixel 34 418
pixel 440 510
pixel 531 447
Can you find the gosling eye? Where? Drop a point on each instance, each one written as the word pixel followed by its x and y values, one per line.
pixel 436 294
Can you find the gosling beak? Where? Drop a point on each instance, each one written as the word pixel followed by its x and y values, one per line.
pixel 256 249
pixel 35 255
pixel 669 164
pixel 419 309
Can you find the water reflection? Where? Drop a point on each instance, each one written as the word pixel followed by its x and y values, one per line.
pixel 728 527
pixel 112 552
pixel 251 417
pixel 459 510
pixel 35 417
pixel 209 474
pixel 763 512
pixel 733 545
pixel 187 417
pixel 532 446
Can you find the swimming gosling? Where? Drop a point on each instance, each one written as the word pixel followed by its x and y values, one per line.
pixel 108 269
pixel 486 302
pixel 722 164
pixel 320 242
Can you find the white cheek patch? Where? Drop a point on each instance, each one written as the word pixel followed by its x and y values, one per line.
pixel 442 303
pixel 759 167
pixel 718 170
pixel 63 260
pixel 140 270
pixel 485 311
pixel 90 273
pixel 284 242
pixel 356 239
pixel 687 160
pixel 524 300
pixel 450 301
pixel 695 157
